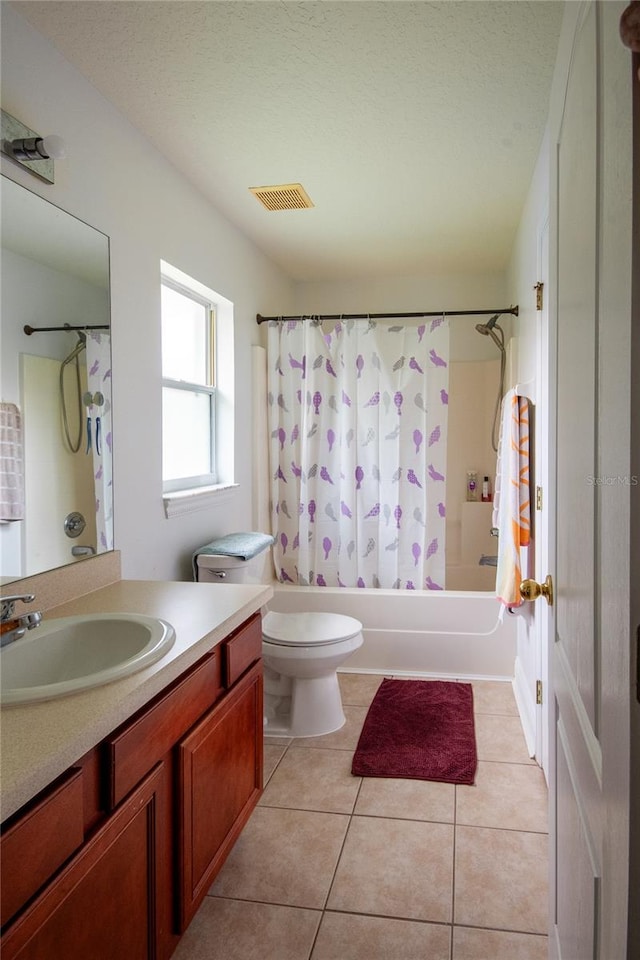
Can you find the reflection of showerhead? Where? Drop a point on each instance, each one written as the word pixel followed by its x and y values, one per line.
pixel 487 330
pixel 79 347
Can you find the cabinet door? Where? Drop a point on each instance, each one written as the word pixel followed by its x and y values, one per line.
pixel 220 768
pixel 103 903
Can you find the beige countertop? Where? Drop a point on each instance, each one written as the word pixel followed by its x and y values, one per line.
pixel 41 740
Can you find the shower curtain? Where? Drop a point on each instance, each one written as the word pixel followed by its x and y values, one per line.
pixel 358 431
pixel 98 355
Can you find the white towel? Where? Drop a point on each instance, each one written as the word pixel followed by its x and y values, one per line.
pixel 512 506
pixel 11 463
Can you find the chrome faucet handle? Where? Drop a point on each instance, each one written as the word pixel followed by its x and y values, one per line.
pixel 8 604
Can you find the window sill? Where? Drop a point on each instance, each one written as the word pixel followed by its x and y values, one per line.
pixel 181 502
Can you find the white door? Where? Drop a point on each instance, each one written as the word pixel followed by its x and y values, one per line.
pixel 590 246
pixel 543 533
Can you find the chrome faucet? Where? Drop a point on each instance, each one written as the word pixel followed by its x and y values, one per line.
pixel 13 627
pixel 488 561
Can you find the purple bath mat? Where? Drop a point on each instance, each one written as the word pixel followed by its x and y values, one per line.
pixel 421 730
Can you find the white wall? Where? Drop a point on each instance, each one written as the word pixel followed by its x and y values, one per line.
pixel 115 180
pixel 522 276
pixel 463 290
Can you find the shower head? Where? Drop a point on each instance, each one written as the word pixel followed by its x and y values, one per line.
pixel 486 328
pixel 79 347
pixel 489 329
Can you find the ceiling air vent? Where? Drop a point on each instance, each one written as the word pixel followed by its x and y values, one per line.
pixel 283 196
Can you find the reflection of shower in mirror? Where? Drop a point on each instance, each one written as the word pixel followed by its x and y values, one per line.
pixel 54 271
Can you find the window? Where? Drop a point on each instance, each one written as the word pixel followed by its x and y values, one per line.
pixel 198 393
pixel 188 388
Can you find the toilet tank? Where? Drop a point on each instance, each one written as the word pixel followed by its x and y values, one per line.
pixel 215 568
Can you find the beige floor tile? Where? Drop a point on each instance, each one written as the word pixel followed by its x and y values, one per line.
pixel 277 741
pixel 473 944
pixel 501 879
pixel 344 936
pixel 344 739
pixel 395 868
pixel 494 696
pixel 273 754
pixel 508 795
pixel 283 856
pixel 500 738
pixel 236 930
pixel 313 779
pixel 359 688
pixel 406 799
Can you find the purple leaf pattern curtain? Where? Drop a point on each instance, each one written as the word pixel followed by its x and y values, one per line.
pixel 98 357
pixel 357 452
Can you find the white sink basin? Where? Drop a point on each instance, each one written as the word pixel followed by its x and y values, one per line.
pixel 75 653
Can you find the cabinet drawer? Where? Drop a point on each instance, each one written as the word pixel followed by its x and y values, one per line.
pixel 242 649
pixel 142 742
pixel 40 841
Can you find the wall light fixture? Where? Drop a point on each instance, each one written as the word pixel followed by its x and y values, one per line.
pixel 29 149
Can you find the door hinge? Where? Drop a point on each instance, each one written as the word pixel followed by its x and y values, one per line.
pixel 538 692
pixel 539 289
pixel 538 498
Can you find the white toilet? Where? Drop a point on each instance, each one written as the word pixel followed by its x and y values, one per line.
pixel 301 652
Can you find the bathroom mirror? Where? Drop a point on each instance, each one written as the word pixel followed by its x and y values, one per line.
pixel 56 386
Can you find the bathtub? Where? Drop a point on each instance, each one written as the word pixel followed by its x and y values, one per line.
pixel 416 632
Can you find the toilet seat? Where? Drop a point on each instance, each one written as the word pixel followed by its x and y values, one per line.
pixel 308 629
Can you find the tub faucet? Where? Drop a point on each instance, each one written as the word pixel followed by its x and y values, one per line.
pixel 488 561
pixel 12 627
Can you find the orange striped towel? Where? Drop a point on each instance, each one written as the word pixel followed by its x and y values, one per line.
pixel 513 507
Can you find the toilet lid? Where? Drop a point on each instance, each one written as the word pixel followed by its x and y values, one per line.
pixel 307 629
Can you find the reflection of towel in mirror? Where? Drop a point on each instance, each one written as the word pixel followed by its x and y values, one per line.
pixel 11 463
pixel 512 503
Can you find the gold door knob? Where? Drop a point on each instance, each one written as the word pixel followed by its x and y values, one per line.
pixel 531 590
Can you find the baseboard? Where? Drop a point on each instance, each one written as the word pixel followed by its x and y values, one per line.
pixel 526 707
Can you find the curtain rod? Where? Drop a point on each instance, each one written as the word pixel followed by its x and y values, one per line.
pixel 29 330
pixel 391 316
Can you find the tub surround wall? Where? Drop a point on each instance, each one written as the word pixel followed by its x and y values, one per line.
pixel 473 386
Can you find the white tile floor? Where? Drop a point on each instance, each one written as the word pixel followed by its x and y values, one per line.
pixel 336 867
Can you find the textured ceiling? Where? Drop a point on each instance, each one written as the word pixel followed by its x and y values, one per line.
pixel 413 126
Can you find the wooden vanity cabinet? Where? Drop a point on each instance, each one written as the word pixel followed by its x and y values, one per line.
pixel 165 797
pixel 102 904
